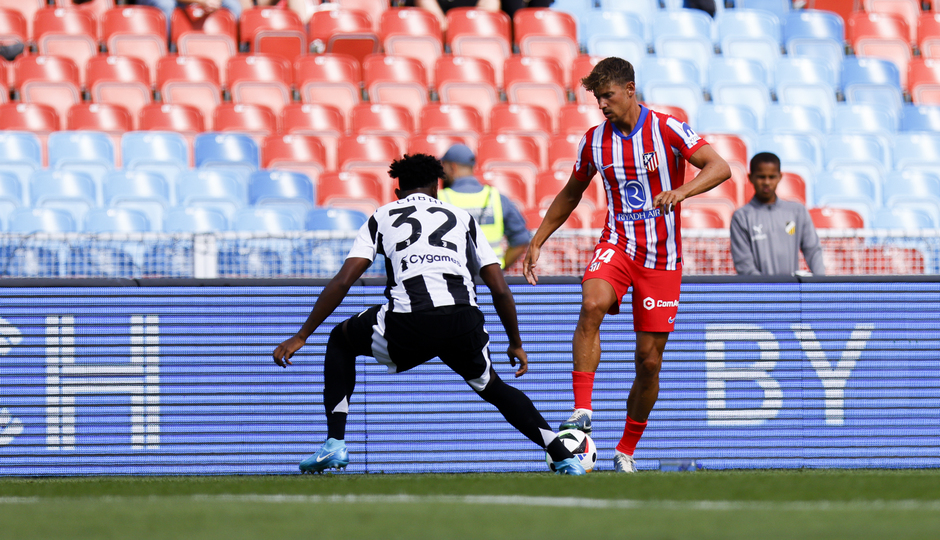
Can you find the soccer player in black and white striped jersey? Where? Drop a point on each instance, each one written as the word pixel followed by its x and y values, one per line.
pixel 433 251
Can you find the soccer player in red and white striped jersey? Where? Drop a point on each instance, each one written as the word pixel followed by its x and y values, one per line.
pixel 640 155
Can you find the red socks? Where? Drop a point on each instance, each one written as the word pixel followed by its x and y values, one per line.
pixel 583 384
pixel 631 436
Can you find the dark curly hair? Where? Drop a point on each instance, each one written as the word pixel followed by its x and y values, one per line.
pixel 416 171
pixel 611 70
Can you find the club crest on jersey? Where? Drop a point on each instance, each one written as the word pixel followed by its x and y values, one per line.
pixel 650 161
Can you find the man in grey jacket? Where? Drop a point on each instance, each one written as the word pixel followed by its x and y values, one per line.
pixel 768 233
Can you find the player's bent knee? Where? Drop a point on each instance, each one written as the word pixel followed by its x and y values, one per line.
pixel 338 336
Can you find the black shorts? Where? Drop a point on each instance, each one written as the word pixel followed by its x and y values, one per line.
pixel 402 341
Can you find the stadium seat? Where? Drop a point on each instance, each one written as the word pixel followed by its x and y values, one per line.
pixel 325 122
pixel 613 33
pixel 97 8
pixel 928 35
pixel 288 191
pixel 436 144
pixel 69 33
pixel 234 151
pixel 273 30
pixel 797 153
pixel 357 190
pixel 547 187
pixel 864 118
pixel 295 152
pixel 267 219
pixel 115 220
pixel 194 220
pixel 547 33
pixel 523 119
pixel 861 152
pixel 847 189
pixel 780 8
pixel 163 152
pixel 372 154
pixel 914 189
pixel 385 119
pixel 672 81
pixel 137 31
pixel 20 153
pixel 881 35
pixel 190 80
pixel 120 80
pixel 260 79
pixel 50 220
pixel 11 196
pixel 534 81
pixel 920 118
pixel 113 120
pixel 645 9
pixel 914 149
pixel 577 119
pixel 924 79
pixel 563 151
pixel 481 34
pixel 737 71
pixel 396 79
pixel 39 119
pixel 816 34
pixel 702 217
pixel 685 33
pixel 836 218
pixel 729 146
pixel 736 119
pixel 790 188
pixel 514 153
pixel 414 32
pixel 375 9
pixel 753 34
pixel 509 184
pixel 213 36
pixel 902 217
pixel 580 68
pixel 343 32
pixel 329 79
pixel 809 82
pixel 907 10
pixel 27 10
pixel 584 216
pixel 251 119
pixel 217 189
pixel 335 219
pixel 453 119
pixel 183 119
pixel 13 27
pixel 871 80
pixel 50 80
pixel 71 191
pixel 89 152
pixel 144 191
pixel 796 118
pixel 466 80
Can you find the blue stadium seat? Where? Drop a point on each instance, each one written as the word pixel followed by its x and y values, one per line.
pixel 871 80
pixel 816 33
pixel 671 81
pixel 579 9
pixel 780 8
pixel 115 220
pixel 903 216
pixel 683 4
pixel 920 117
pixel 916 149
pixel 797 153
pixel 735 119
pixel 859 152
pixel 795 118
pixel 913 189
pixel 52 220
pixel 90 152
pixel 20 154
pixel 847 189
pixel 218 189
pixel 335 219
pixel 754 34
pixel 163 152
pixel 287 190
pixel 11 197
pixel 272 220
pixel 194 220
pixel 683 22
pixel 71 191
pixel 740 82
pixel 144 191
pixel 864 118
pixel 807 81
pixel 228 150
pixel 645 9
pixel 607 33
pixel 685 33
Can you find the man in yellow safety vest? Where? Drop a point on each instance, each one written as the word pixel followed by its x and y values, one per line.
pixel 496 214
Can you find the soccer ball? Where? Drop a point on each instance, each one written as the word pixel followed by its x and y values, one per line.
pixel 581 445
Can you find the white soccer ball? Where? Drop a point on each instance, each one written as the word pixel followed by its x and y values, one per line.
pixel 581 445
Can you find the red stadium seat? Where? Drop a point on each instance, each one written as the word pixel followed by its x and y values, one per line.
pixel 386 119
pixel 343 31
pixel 111 119
pixel 792 187
pixel 702 217
pixel 722 207
pixel 535 80
pixel 33 117
pixel 731 190
pixel 255 120
pixel 548 186
pixel 413 32
pixel 435 144
pixel 214 36
pixel 301 153
pixel 263 79
pixel 731 147
pixel 26 8
pixel 925 81
pixel 524 119
pixel 96 8
pixel 50 80
pixel 375 9
pixel 671 110
pixel 482 34
pixel 273 31
pixel 563 152
pixel 928 35
pixel 580 68
pixel 325 122
pixel 836 218
pixel 908 10
pixel 190 80
pixel 120 80
pixel 515 153
pixel 575 118
pixel 465 80
pixel 329 79
pixel 881 35
pixel 69 33
pixel 13 28
pixel 452 119
pixel 138 31
pixel 547 33
pixel 358 190
pixel 372 154
pixel 844 8
pixel 178 117
pixel 396 79
pixel 509 184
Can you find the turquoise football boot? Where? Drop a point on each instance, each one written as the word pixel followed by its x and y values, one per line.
pixel 332 455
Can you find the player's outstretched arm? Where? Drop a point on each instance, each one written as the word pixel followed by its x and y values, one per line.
pixel 714 170
pixel 326 303
pixel 506 309
pixel 562 206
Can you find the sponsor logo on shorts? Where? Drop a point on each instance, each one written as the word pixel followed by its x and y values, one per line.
pixel 650 303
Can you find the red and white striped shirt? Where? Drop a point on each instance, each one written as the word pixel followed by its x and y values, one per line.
pixel 636 168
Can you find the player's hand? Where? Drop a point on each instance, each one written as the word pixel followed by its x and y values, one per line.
pixel 668 200
pixel 284 351
pixel 528 264
pixel 518 353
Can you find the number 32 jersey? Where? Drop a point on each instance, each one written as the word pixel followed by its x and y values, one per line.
pixel 433 251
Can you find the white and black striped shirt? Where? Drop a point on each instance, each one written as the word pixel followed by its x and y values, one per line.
pixel 431 250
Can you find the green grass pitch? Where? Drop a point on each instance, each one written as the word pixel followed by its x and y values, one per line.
pixel 798 504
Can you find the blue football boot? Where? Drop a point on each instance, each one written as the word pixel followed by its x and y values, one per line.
pixel 580 420
pixel 569 466
pixel 332 455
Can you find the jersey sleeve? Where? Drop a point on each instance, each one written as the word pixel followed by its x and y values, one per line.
pixel 584 167
pixel 366 244
pixel 679 135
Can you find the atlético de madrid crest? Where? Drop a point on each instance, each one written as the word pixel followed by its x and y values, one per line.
pixel 651 161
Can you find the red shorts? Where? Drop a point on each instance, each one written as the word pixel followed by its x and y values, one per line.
pixel 655 292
